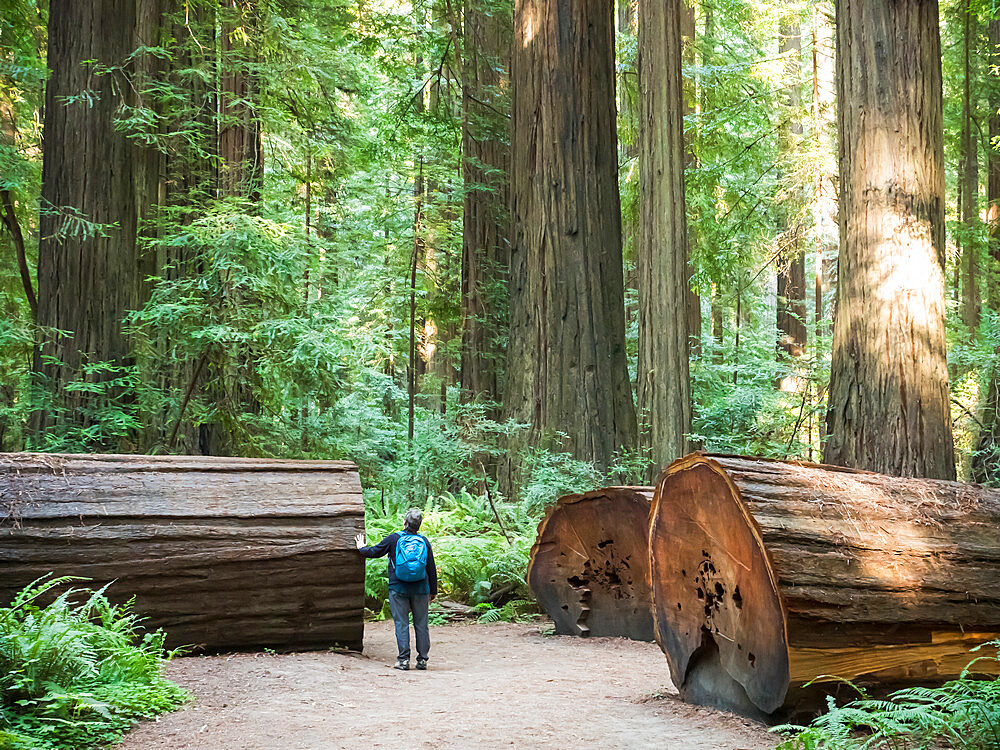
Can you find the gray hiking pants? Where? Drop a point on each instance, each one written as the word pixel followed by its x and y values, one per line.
pixel 401 606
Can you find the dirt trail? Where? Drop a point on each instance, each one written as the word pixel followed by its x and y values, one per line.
pixel 487 685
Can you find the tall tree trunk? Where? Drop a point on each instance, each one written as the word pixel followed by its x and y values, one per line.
pixel 8 212
pixel 567 364
pixel 692 299
pixel 970 181
pixel 993 165
pixel 889 398
pixel 824 208
pixel 791 282
pixel 664 388
pixel 188 180
pixel 241 171
pixel 439 329
pixel 485 226
pixel 89 278
pixel 232 374
pixel 986 458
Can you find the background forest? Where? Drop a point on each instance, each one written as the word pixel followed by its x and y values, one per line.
pixel 310 243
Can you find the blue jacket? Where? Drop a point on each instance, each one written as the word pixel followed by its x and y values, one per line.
pixel 388 547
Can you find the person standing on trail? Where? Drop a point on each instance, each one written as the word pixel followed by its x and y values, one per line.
pixel 412 584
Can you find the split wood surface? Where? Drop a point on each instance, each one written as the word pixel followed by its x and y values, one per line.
pixel 589 564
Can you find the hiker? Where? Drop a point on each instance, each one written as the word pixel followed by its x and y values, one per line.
pixel 412 584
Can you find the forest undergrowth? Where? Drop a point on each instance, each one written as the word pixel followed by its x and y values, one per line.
pixel 76 673
pixel 962 714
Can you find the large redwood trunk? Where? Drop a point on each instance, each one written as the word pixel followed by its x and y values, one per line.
pixel 485 225
pixel 664 278
pixel 221 553
pixel 566 371
pixel 889 407
pixel 90 276
pixel 768 574
pixel 589 565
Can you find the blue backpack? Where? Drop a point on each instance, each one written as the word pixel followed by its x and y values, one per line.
pixel 411 557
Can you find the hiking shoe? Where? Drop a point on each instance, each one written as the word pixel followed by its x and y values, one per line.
pixel 421 664
pixel 403 664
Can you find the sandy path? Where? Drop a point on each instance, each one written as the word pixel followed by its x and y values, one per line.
pixel 487 685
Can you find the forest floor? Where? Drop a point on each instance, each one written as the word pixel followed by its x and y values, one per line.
pixel 486 685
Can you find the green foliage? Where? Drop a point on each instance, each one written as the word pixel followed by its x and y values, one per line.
pixel 76 673
pixel 481 550
pixel 962 714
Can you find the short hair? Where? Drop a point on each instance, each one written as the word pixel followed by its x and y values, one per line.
pixel 413 520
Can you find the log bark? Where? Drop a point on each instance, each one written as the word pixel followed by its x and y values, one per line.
pixel 768 574
pixel 889 407
pixel 589 564
pixel 220 553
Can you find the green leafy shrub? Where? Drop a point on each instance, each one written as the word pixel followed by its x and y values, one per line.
pixel 76 674
pixel 962 713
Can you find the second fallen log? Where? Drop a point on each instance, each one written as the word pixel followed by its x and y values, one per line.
pixel 767 575
pixel 589 565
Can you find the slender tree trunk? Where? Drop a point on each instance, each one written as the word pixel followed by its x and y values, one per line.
pixel 232 375
pixel 242 167
pixel 664 333
pixel 485 224
pixel 690 97
pixel 825 212
pixel 986 458
pixel 628 151
pixel 717 325
pixel 818 189
pixel 8 211
pixel 993 165
pixel 566 361
pixel 970 181
pixel 88 279
pixel 188 180
pixel 791 282
pixel 889 399
pixel 418 249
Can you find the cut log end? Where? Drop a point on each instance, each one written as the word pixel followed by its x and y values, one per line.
pixel 589 568
pixel 716 607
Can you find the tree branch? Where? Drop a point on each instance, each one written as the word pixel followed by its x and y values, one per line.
pixel 10 221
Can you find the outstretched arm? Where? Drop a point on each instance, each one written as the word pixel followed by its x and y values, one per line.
pixel 376 550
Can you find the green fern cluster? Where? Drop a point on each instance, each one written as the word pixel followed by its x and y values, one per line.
pixel 76 675
pixel 962 714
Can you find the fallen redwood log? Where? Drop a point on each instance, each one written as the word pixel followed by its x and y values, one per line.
pixel 769 574
pixel 589 564
pixel 223 553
